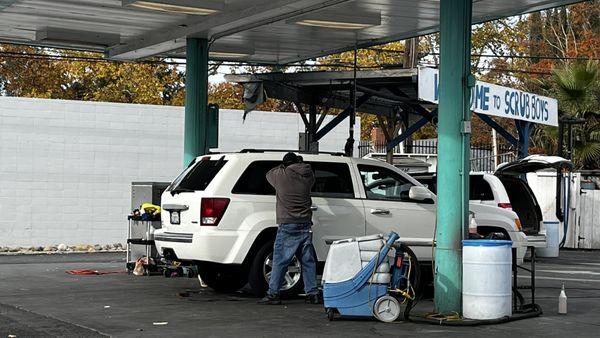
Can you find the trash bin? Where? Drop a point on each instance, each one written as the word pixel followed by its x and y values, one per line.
pixel 551 229
pixel 487 285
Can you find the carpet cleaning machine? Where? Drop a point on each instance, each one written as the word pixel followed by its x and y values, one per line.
pixel 369 276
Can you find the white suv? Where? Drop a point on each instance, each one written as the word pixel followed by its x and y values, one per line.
pixel 220 214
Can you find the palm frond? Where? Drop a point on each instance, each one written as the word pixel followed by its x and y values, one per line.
pixel 574 86
pixel 587 153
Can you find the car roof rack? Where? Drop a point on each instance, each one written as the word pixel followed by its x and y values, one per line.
pixel 251 150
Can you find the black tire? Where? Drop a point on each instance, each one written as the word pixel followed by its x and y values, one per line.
pixel 222 278
pixel 256 278
pixel 330 314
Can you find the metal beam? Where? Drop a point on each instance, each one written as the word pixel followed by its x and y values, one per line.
pixel 431 115
pixel 379 93
pixel 326 78
pixel 196 100
pixel 406 134
pixel 453 152
pixel 503 132
pixel 302 115
pixel 322 117
pixel 227 22
pixel 282 91
pixel 340 117
pixel 524 130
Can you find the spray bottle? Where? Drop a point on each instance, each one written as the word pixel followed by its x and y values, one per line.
pixel 472 225
pixel 562 301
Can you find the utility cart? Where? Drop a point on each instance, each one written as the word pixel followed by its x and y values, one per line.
pixel 140 241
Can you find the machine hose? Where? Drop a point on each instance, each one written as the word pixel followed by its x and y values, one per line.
pixel 528 311
pixel 533 310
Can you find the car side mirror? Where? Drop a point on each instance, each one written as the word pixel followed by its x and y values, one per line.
pixel 418 193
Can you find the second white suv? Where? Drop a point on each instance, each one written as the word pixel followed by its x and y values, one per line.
pixel 220 214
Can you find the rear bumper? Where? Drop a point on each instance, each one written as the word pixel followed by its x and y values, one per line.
pixel 519 240
pixel 209 245
pixel 522 242
pixel 173 237
pixel 537 241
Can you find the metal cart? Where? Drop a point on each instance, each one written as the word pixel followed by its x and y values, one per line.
pixel 140 241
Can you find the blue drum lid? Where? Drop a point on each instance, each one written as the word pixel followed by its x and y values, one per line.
pixel 486 242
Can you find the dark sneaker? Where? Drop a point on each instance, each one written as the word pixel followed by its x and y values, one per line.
pixel 270 300
pixel 314 299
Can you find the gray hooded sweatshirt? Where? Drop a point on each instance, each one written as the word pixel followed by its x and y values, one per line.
pixel 292 189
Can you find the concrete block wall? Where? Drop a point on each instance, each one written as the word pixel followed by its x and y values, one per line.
pixel 66 167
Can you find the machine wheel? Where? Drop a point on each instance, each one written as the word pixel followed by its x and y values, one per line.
pixel 220 278
pixel 387 309
pixel 260 273
pixel 330 314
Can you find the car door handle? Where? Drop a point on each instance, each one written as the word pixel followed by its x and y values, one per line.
pixel 313 207
pixel 380 212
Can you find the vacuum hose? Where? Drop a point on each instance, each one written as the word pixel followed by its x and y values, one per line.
pixel 535 312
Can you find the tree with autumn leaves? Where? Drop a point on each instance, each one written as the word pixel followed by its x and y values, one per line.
pixel 58 74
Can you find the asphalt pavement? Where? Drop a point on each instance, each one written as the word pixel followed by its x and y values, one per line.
pixel 38 299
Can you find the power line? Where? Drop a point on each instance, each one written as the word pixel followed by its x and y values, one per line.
pixel 544 57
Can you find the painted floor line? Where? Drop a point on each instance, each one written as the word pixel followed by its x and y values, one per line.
pixel 563 279
pixel 572 272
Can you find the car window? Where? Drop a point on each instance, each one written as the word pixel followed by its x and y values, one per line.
pixel 198 176
pixel 331 180
pixel 429 182
pixel 254 179
pixel 384 184
pixel 480 189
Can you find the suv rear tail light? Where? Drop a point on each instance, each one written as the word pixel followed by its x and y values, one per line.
pixel 518 225
pixel 505 205
pixel 212 210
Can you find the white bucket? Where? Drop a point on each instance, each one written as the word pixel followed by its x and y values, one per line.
pixel 552 238
pixel 487 285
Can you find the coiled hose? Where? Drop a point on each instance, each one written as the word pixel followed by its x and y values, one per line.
pixel 529 311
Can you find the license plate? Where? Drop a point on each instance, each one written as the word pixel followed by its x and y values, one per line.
pixel 175 217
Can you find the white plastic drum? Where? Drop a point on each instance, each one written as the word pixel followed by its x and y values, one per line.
pixel 552 238
pixel 487 285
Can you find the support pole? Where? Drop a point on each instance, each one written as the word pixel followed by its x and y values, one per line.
pixel 196 100
pixel 349 146
pixel 453 152
pixel 524 130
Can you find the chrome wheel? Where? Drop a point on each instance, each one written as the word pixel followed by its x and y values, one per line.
pixel 387 309
pixel 290 278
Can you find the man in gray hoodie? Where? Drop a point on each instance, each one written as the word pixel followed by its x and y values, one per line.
pixel 293 181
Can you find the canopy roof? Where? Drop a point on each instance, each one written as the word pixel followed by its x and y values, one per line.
pixel 262 31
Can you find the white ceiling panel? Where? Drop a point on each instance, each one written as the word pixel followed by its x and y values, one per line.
pixel 266 27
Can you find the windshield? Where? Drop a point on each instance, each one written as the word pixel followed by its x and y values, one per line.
pixel 198 176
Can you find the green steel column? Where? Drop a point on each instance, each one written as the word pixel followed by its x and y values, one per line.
pixel 453 152
pixel 196 100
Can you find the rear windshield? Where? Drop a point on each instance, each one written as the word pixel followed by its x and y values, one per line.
pixel 198 176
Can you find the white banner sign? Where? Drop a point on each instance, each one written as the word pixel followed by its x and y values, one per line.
pixel 491 99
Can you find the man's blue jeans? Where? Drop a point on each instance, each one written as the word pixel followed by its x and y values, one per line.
pixel 294 239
